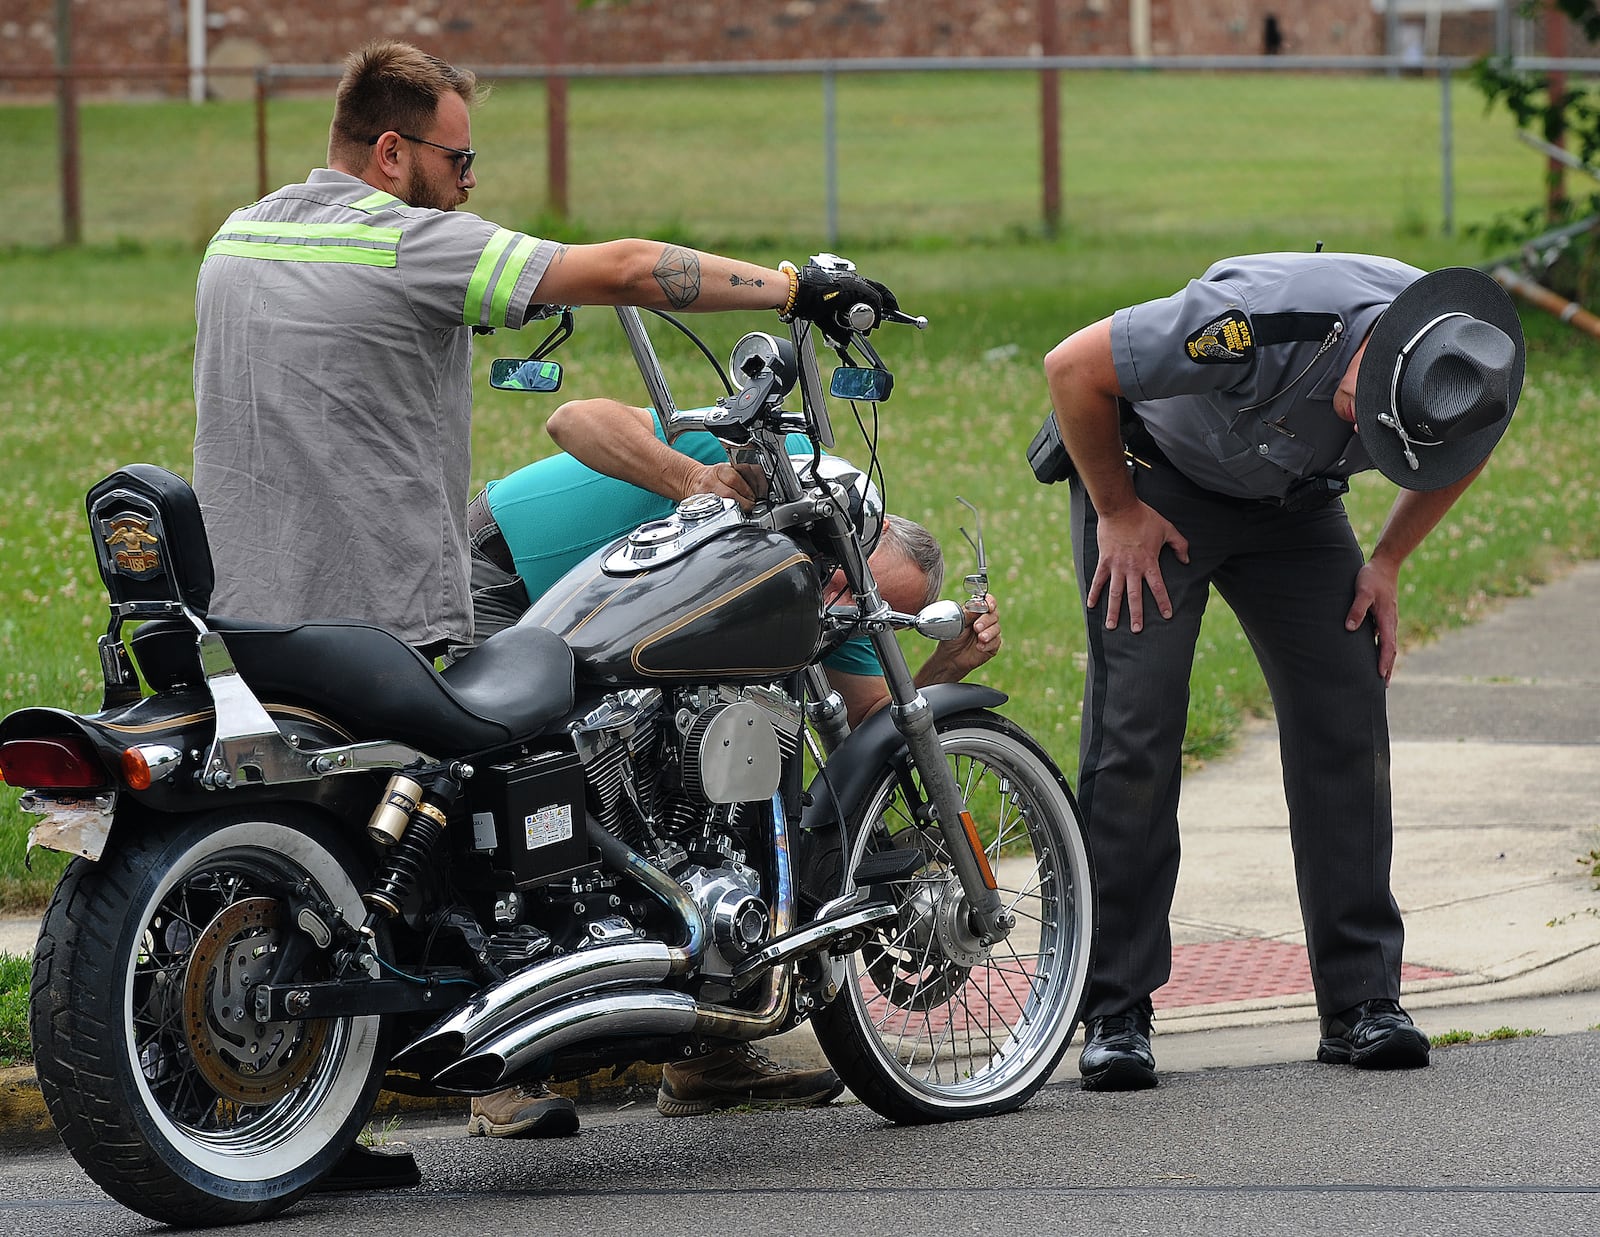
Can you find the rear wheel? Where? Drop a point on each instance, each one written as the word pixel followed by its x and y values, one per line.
pixel 931 1024
pixel 164 1087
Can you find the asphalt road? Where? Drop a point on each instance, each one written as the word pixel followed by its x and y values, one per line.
pixel 1495 1138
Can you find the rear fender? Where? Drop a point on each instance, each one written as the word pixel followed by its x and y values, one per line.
pixel 81 821
pixel 836 793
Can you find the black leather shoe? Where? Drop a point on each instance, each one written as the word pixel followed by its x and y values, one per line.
pixel 1116 1051
pixel 1375 1034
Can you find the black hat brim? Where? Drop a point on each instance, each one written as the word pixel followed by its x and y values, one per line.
pixel 1454 289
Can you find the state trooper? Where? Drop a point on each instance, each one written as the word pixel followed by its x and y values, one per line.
pixel 1208 437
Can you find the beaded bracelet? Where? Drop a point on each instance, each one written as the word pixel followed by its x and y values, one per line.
pixel 788 268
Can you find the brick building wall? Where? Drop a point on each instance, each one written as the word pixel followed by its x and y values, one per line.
pixel 488 32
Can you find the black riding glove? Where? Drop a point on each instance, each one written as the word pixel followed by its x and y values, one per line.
pixel 825 297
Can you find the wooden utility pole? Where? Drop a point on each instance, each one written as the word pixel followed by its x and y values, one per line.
pixel 555 104
pixel 67 128
pixel 1050 117
pixel 1555 42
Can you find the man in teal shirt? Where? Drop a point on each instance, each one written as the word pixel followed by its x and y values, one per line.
pixel 617 472
pixel 529 529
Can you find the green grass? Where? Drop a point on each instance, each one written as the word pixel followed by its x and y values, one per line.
pixel 1451 1038
pixel 14 1046
pixel 940 196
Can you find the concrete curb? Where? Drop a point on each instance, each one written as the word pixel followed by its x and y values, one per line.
pixel 24 1119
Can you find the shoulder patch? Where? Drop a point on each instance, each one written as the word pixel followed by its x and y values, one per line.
pixel 1227 340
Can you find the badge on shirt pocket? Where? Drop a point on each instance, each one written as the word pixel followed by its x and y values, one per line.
pixel 1225 340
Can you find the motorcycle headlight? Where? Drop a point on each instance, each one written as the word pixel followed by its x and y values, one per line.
pixel 866 505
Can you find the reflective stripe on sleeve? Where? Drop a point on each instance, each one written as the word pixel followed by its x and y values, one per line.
pixel 506 281
pixel 494 279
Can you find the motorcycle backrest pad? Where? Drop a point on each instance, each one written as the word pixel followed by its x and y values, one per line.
pixel 149 540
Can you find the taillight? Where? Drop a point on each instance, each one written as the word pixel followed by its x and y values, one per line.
pixel 62 762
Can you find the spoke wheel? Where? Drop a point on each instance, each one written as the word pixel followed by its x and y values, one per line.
pixel 163 1085
pixel 930 1022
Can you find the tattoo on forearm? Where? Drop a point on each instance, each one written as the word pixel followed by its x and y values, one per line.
pixel 560 255
pixel 740 283
pixel 678 273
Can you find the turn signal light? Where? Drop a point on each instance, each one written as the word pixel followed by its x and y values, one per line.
pixel 143 765
pixel 65 762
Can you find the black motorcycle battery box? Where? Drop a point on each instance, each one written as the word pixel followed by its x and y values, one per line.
pixel 530 813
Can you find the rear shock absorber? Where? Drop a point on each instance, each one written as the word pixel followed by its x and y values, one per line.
pixel 411 820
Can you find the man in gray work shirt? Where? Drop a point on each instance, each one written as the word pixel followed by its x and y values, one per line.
pixel 334 344
pixel 333 384
pixel 1210 434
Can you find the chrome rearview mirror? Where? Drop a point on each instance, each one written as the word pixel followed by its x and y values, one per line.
pixel 943 620
pixel 512 374
pixel 866 385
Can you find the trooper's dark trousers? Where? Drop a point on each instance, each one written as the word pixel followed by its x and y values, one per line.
pixel 1290 579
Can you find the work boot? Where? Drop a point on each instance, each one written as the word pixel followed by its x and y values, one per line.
pixel 740 1077
pixel 531 1110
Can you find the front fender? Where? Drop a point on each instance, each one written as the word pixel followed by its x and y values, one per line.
pixel 836 793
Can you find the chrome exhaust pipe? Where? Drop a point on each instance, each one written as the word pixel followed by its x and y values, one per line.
pixel 630 964
pixel 617 1015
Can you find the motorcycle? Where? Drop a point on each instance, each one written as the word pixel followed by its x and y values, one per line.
pixel 309 865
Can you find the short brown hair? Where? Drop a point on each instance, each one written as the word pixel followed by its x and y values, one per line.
pixel 388 85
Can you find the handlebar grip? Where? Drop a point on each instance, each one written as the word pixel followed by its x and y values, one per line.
pixel 859 317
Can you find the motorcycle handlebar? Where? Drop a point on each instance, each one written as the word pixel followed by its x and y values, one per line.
pixel 859 318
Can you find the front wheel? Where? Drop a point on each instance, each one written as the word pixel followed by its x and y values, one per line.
pixel 930 1023
pixel 164 1087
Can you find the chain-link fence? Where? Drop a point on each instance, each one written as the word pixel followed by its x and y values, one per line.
pixel 866 150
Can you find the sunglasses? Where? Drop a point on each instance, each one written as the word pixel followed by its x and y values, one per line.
pixel 462 157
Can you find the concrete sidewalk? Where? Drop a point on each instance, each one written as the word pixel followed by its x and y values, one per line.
pixel 1496 775
pixel 1496 761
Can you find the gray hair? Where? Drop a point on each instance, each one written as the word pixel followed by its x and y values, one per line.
pixel 916 543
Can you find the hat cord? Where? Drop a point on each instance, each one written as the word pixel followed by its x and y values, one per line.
pixel 1391 419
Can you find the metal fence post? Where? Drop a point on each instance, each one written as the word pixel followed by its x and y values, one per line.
pixel 830 155
pixel 262 187
pixel 1446 151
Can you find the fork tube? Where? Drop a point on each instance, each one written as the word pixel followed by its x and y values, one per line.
pixel 826 709
pixel 913 718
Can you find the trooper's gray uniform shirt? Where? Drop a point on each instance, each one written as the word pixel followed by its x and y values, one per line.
pixel 1232 381
pixel 333 402
pixel 1234 376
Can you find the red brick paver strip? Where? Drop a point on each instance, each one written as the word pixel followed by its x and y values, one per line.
pixel 1246 969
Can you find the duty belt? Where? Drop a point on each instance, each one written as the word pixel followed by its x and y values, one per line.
pixel 1304 494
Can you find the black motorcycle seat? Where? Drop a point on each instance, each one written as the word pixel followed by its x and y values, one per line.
pixel 376 686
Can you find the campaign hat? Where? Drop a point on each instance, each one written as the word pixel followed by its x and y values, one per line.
pixel 1440 378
